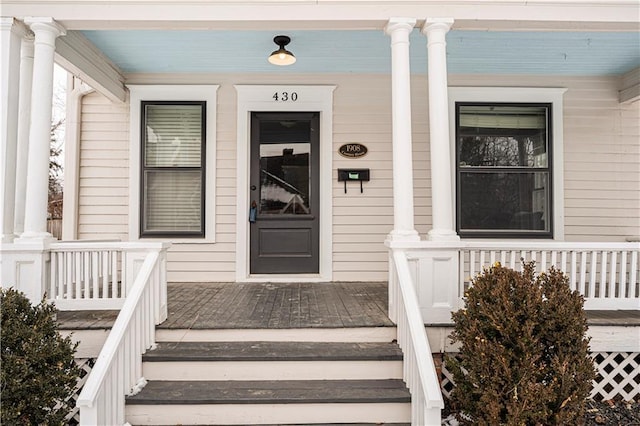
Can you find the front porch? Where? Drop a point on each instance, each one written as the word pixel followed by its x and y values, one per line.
pixel 203 316
pixel 427 282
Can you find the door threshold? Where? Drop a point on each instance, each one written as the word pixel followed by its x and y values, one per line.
pixel 285 278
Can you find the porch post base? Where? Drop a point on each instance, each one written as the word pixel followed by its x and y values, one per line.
pixel 34 237
pixel 25 267
pixel 436 280
pixel 398 235
pixel 443 235
pixel 7 238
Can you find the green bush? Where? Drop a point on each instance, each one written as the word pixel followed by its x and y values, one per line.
pixel 524 355
pixel 37 370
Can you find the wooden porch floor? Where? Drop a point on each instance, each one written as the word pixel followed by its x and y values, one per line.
pixel 282 305
pixel 260 305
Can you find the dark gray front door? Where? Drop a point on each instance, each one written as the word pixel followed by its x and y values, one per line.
pixel 284 188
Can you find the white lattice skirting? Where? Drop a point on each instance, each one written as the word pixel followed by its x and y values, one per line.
pixel 86 364
pixel 618 376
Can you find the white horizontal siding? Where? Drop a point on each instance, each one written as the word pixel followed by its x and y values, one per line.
pixel 602 168
pixel 602 164
pixel 104 169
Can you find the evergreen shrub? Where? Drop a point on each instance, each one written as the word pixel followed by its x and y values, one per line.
pixel 38 371
pixel 524 352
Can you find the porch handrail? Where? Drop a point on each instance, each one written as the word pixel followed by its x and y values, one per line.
pixel 549 245
pixel 118 368
pixel 419 371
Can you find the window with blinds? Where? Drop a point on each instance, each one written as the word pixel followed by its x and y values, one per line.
pixel 173 169
pixel 503 170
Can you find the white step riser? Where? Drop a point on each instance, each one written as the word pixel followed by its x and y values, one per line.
pixel 272 370
pixel 364 334
pixel 247 414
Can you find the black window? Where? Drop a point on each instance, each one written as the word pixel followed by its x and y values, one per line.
pixel 173 169
pixel 503 170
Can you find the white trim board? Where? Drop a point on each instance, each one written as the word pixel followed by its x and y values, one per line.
pixel 140 93
pixel 517 95
pixel 309 99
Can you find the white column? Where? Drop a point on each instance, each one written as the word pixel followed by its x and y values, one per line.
pixel 403 226
pixel 12 32
pixel 24 118
pixel 46 30
pixel 441 173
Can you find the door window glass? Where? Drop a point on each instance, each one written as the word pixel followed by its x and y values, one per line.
pixel 285 171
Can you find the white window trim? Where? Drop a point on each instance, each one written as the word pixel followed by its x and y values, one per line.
pixel 310 99
pixel 140 93
pixel 554 96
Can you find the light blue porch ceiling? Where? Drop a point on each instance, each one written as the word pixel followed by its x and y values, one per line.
pixel 541 53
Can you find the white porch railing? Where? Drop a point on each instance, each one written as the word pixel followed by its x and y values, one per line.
pixel 88 275
pixel 606 274
pixel 118 369
pixel 419 371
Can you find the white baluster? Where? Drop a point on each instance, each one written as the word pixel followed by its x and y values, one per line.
pixel 563 261
pixel 612 275
pixel 472 264
pixel 53 273
pixel 69 275
pixel 78 274
pixel 623 275
pixel 95 280
pixel 105 273
pixel 108 396
pixel 603 274
pixel 87 277
pixel 582 285
pixel 534 258
pixel 593 273
pixel 115 293
pixel 634 269
pixel 573 275
pixel 61 274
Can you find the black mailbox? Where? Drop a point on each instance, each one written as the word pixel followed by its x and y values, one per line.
pixel 353 175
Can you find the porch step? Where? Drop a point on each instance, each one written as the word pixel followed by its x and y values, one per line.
pixel 274 351
pixel 313 334
pixel 286 360
pixel 270 402
pixel 271 383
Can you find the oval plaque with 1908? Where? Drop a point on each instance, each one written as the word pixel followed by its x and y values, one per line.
pixel 352 150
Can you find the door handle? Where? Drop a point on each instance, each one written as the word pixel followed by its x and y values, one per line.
pixel 253 212
pixel 253 187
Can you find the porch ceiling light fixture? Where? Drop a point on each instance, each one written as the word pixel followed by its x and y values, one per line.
pixel 282 56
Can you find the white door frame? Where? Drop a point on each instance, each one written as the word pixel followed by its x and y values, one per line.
pixel 261 98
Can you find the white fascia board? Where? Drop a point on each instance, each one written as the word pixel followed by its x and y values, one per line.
pixel 81 58
pixel 322 14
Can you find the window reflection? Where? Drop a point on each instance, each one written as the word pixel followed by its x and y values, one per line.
pixel 284 178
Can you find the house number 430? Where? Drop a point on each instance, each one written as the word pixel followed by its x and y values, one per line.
pixel 285 96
